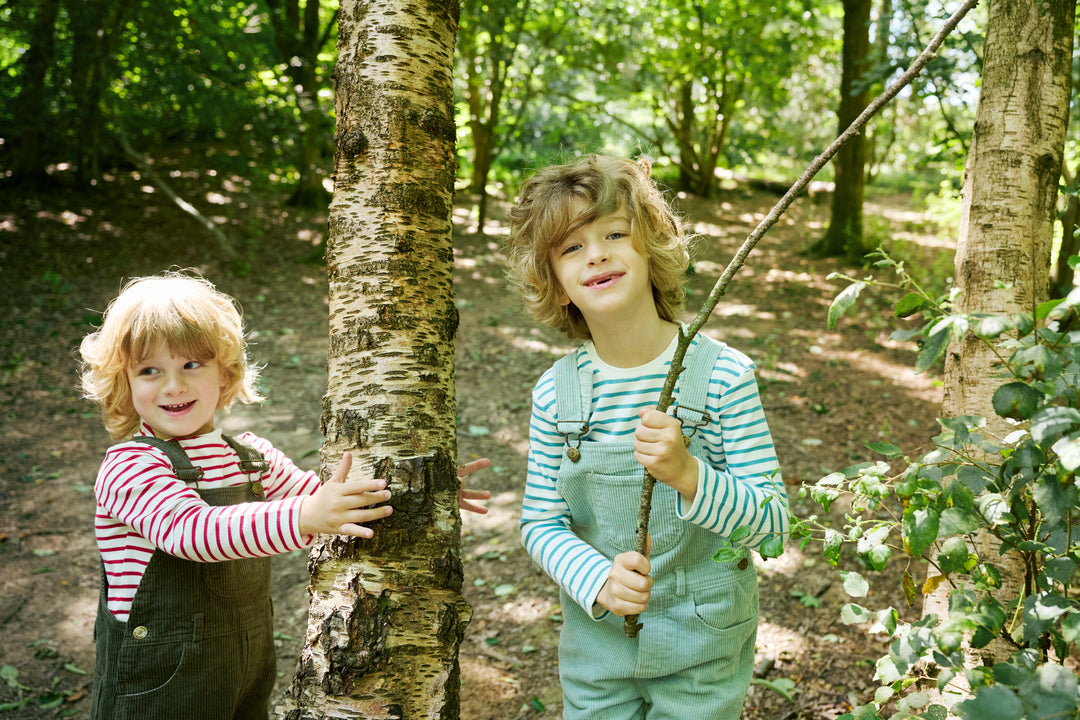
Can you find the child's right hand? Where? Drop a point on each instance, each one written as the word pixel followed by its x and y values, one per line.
pixel 627 589
pixel 340 506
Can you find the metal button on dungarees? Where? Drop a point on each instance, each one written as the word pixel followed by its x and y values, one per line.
pixel 140 632
pixel 743 563
pixel 257 489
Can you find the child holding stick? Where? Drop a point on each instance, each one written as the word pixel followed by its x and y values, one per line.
pixel 188 518
pixel 597 253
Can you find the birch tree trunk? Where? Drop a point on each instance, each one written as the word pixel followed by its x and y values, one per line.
pixel 387 616
pixel 1010 192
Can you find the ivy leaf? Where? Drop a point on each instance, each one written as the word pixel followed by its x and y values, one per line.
pixel 855 584
pixel 1053 421
pixel 886 449
pixel 991 703
pixel 1068 450
pixel 933 348
pixel 953 555
pixel 1054 501
pixel 843 301
pixel 1051 693
pixel 852 614
pixel 1016 400
pixel 920 528
pixel 772 547
pixel 909 305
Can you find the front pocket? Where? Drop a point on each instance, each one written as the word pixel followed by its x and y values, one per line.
pixel 616 500
pixel 145 669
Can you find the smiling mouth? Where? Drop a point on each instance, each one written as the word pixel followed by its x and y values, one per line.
pixel 177 408
pixel 602 280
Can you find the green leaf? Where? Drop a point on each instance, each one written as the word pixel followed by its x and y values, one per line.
pixel 843 301
pixel 1051 693
pixel 1016 400
pixel 886 449
pixel 831 546
pixel 953 555
pixel 957 521
pixel 909 305
pixel 1054 501
pixel 991 703
pixel 784 687
pixel 933 348
pixel 772 547
pixel 920 527
pixel 503 590
pixel 537 705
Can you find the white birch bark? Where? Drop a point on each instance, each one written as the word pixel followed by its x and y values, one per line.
pixel 387 615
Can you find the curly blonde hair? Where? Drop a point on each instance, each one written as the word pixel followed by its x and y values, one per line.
pixel 559 199
pixel 181 310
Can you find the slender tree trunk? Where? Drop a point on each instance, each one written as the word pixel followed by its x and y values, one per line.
pixel 95 24
pixel 1064 276
pixel 30 108
pixel 845 234
pixel 387 616
pixel 1010 194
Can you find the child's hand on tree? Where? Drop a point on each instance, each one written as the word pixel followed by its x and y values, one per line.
pixel 341 506
pixel 659 447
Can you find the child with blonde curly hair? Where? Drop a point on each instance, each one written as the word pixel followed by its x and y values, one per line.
pixel 598 254
pixel 187 518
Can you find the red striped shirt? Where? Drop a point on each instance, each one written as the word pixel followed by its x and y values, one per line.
pixel 143 506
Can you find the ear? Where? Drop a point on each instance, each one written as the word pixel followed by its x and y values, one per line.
pixel 563 298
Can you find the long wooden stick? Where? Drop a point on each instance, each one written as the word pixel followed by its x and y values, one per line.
pixel 630 623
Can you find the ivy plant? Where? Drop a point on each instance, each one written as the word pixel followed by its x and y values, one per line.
pixel 1021 490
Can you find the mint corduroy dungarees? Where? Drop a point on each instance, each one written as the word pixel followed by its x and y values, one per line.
pixel 694 656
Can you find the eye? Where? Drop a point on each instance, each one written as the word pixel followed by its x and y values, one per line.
pixel 192 365
pixel 146 371
pixel 569 248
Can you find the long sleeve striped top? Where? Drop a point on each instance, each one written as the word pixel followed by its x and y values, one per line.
pixel 738 471
pixel 142 506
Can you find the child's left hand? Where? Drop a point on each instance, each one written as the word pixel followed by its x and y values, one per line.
pixel 659 447
pixel 465 497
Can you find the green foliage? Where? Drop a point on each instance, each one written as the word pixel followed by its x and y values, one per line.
pixel 1020 490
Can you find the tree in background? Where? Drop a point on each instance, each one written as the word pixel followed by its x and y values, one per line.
pixel 31 104
pixel 300 36
pixel 844 236
pixel 386 615
pixel 697 65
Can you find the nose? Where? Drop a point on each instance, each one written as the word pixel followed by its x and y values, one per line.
pixel 596 253
pixel 174 383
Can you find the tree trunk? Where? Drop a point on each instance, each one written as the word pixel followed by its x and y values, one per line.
pixel 845 234
pixel 94 24
pixel 31 113
pixel 1064 277
pixel 1010 194
pixel 298 37
pixel 387 616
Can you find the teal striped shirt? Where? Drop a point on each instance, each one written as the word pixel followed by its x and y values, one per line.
pixel 738 471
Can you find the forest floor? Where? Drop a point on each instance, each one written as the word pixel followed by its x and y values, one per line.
pixel 64 254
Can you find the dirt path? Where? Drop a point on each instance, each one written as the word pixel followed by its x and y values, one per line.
pixel 63 256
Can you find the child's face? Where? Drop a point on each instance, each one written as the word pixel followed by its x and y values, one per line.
pixel 177 396
pixel 600 272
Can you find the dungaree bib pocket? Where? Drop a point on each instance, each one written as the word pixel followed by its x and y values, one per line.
pixel 611 503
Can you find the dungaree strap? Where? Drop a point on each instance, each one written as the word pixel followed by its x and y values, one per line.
pixel 573 401
pixel 181 463
pixel 251 460
pixel 692 390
